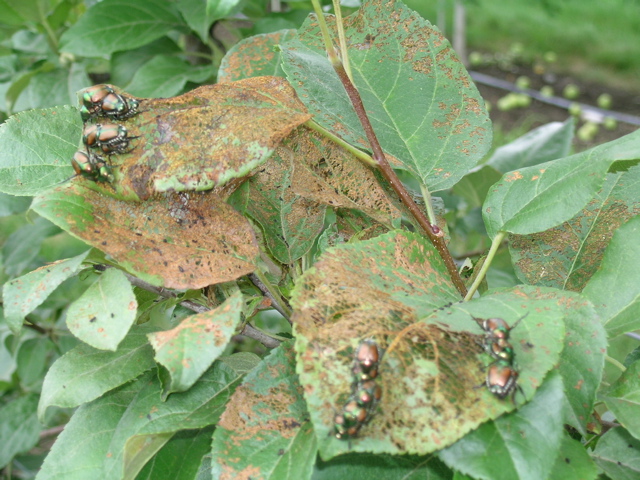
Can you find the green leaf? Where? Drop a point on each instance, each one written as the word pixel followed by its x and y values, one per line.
pixel 623 399
pixel 422 104
pixel 394 289
pixel 526 201
pixel 10 205
pixel 200 14
pixel 113 25
pixel 178 240
pixel 387 467
pixel 22 246
pixel 618 454
pixel 19 427
pixel 32 360
pixel 568 255
pixel 85 373
pixel 124 65
pixel 582 360
pixel 540 145
pixel 165 76
pixel 266 414
pixel 180 458
pixel 105 433
pixel 37 147
pixel 573 462
pixel 518 445
pixel 23 295
pixel 615 288
pixel 474 186
pixel 52 88
pixel 104 313
pixel 189 349
pixel 254 56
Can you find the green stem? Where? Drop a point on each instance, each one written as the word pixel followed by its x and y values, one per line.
pixel 359 154
pixel 497 240
pixel 343 41
pixel 280 303
pixel 615 363
pixel 51 35
pixel 326 37
pixel 426 196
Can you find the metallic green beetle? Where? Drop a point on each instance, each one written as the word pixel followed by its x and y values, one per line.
pixel 502 379
pixel 103 101
pixel 91 166
pixel 109 137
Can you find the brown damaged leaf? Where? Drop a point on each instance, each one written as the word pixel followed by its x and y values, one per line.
pixel 267 413
pixel 206 137
pixel 568 255
pixel 328 174
pixel 176 240
pixel 291 223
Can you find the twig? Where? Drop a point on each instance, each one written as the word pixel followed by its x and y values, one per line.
pixel 51 432
pixel 248 330
pixel 433 232
pixel 279 303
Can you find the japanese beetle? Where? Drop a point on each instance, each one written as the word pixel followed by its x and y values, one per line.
pixel 368 394
pixel 109 137
pixel 502 379
pixel 366 361
pixel 347 424
pixel 103 101
pixel 91 166
pixel 497 327
pixel 499 349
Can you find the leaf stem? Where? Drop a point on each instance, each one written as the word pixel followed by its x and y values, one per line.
pixel 426 196
pixel 495 244
pixel 344 54
pixel 248 330
pixel 277 301
pixel 615 363
pixel 359 154
pixel 328 44
pixel 434 234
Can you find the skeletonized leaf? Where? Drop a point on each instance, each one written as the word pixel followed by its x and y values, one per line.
pixel 394 289
pixel 179 240
pixel 615 288
pixel 267 413
pixel 568 255
pixel 422 103
pixel 534 199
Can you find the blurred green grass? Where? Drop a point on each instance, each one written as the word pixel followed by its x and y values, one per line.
pixel 596 40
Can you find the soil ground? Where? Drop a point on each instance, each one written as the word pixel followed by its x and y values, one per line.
pixel 539 113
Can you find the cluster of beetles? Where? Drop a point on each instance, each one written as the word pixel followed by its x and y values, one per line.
pixel 501 379
pixel 502 375
pixel 365 392
pixel 101 101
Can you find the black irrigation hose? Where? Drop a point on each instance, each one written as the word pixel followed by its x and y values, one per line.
pixel 555 101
